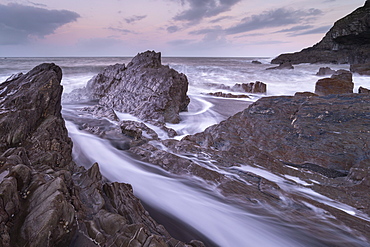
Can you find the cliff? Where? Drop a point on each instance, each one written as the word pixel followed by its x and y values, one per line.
pixel 348 41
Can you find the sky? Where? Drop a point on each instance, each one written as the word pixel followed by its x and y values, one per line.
pixel 190 28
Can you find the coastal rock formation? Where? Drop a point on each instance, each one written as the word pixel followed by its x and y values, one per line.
pixel 348 41
pixel 145 88
pixel 228 95
pixel 283 65
pixel 321 139
pixel 45 199
pixel 339 83
pixel 325 71
pixel 252 87
pixel 362 69
pixel 363 90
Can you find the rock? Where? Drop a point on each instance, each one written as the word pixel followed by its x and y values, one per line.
pixel 101 111
pixel 325 71
pixel 363 90
pixel 228 95
pixel 305 94
pixel 283 65
pixel 252 87
pixel 46 200
pixel 311 138
pixel 256 62
pixel 362 69
pixel 339 83
pixel 348 41
pixel 145 88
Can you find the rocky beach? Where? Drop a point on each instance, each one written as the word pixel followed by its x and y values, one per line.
pixel 271 171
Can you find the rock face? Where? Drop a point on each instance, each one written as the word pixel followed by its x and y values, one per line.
pixel 339 83
pixel 145 88
pixel 45 199
pixel 362 69
pixel 322 139
pixel 348 41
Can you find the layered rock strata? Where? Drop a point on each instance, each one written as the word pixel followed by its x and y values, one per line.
pixel 144 88
pixel 348 41
pixel 45 199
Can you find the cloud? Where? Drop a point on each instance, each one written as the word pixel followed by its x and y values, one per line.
pixel 273 18
pixel 200 9
pixel 122 30
pixel 295 28
pixel 18 23
pixel 173 29
pixel 135 18
pixel 318 30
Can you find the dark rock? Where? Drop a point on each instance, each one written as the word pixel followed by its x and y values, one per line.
pixel 339 83
pixel 305 94
pixel 101 111
pixel 252 87
pixel 46 200
pixel 362 69
pixel 325 71
pixel 228 95
pixel 283 65
pixel 256 62
pixel 324 139
pixel 363 90
pixel 348 41
pixel 145 88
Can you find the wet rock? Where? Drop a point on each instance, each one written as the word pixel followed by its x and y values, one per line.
pixel 228 95
pixel 346 42
pixel 362 69
pixel 305 94
pixel 100 111
pixel 256 62
pixel 46 200
pixel 283 65
pixel 145 88
pixel 325 71
pixel 339 83
pixel 363 90
pixel 252 87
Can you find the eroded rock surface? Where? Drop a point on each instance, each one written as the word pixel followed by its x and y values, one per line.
pixel 45 199
pixel 348 41
pixel 339 83
pixel 144 88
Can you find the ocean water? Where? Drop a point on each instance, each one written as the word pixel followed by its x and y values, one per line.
pixel 190 208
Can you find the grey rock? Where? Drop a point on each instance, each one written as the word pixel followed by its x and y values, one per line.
pixel 363 90
pixel 362 69
pixel 252 87
pixel 339 83
pixel 348 41
pixel 325 71
pixel 283 65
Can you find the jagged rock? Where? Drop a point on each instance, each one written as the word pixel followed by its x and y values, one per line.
pixel 322 138
pixel 252 87
pixel 363 90
pixel 101 111
pixel 145 88
pixel 362 69
pixel 325 71
pixel 228 95
pixel 348 41
pixel 339 83
pixel 45 199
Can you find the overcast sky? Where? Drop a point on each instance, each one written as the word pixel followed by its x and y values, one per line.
pixel 174 27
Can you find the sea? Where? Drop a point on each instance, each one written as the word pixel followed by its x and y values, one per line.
pixel 187 207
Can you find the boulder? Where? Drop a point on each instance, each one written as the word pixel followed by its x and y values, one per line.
pixel 283 65
pixel 46 199
pixel 145 88
pixel 362 69
pixel 256 62
pixel 348 41
pixel 339 83
pixel 325 71
pixel 363 90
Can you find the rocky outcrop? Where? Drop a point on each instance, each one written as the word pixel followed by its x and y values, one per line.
pixel 325 71
pixel 348 41
pixel 283 65
pixel 321 139
pixel 45 199
pixel 363 90
pixel 339 83
pixel 361 69
pixel 252 87
pixel 228 95
pixel 144 88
